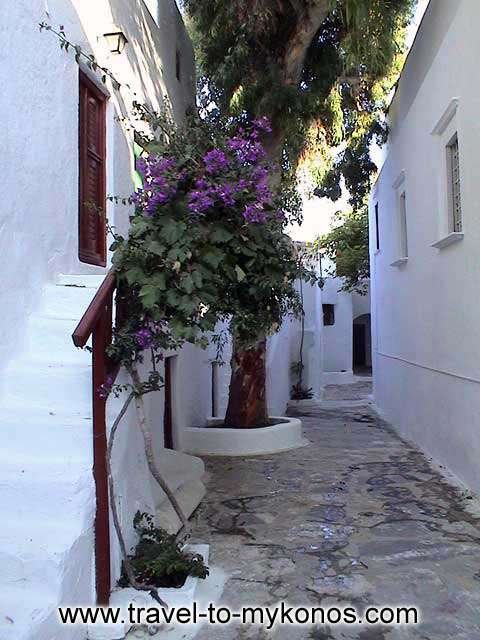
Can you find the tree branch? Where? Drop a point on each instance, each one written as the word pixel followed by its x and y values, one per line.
pixel 149 454
pixel 309 22
pixel 116 520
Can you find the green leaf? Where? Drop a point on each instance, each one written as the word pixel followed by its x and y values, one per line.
pixel 197 279
pixel 149 295
pixel 213 257
pixel 172 298
pixel 159 280
pixel 172 231
pixel 241 275
pixel 154 246
pixel 187 306
pixel 219 234
pixel 187 283
pixel 135 275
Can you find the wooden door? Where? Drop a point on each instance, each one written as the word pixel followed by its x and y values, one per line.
pixel 92 174
pixel 167 413
pixel 359 345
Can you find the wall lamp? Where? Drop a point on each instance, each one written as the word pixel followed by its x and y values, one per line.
pixel 116 40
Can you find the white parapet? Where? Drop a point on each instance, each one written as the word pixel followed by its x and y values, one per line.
pixel 284 434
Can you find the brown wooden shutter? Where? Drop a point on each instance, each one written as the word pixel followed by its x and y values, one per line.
pixel 92 188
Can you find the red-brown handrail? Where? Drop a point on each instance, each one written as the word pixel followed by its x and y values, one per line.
pixel 95 309
pixel 97 322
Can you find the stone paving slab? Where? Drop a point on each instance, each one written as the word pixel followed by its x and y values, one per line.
pixel 358 517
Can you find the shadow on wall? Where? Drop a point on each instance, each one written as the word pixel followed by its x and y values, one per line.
pixel 362 343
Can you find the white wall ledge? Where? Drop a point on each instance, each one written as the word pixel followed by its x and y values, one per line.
pixel 451 238
pixel 399 262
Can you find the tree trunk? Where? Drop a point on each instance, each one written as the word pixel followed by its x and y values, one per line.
pixel 247 402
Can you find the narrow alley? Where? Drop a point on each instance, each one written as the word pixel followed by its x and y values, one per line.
pixel 356 517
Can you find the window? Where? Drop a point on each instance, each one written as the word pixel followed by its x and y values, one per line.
pixel 377 231
pixel 454 186
pixel 92 247
pixel 402 211
pixel 446 161
pixel 328 315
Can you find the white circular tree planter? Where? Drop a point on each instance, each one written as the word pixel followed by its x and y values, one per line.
pixel 220 441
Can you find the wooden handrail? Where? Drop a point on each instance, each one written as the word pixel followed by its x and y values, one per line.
pixel 95 310
pixel 97 322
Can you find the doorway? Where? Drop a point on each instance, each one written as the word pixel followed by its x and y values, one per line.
pixel 168 440
pixel 362 357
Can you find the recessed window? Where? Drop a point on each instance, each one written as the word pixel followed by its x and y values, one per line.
pixel 328 315
pixel 402 213
pixel 377 228
pixel 454 185
pixel 178 65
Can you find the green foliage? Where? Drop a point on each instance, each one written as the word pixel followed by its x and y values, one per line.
pixel 181 271
pixel 159 560
pixel 320 91
pixel 347 246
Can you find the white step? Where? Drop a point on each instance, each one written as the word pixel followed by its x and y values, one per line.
pixel 45 491
pixel 68 302
pixel 54 386
pixel 23 608
pixel 46 482
pixel 51 339
pixel 25 436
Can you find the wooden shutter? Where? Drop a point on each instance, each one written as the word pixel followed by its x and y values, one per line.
pixel 92 188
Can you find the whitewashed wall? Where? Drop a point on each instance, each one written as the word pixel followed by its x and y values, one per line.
pixel 38 243
pixel 39 218
pixel 337 339
pixel 426 312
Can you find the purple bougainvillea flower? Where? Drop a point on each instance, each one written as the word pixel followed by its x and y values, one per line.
pixel 215 161
pixel 200 201
pixel 225 193
pixel 263 124
pixel 144 338
pixel 255 213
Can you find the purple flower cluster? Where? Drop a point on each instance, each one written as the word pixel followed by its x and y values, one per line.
pixel 262 124
pixel 255 213
pixel 215 162
pixel 247 149
pixel 160 183
pixel 235 176
pixel 144 338
pixel 206 195
pixel 105 389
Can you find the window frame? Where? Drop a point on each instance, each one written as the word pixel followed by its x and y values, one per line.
pixel 401 221
pixel 454 183
pixel 326 310
pixel 444 132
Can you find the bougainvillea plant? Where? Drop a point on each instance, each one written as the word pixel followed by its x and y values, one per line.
pixel 207 244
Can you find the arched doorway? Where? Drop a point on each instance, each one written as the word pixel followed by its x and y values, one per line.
pixel 362 345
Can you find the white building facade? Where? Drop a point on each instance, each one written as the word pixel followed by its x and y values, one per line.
pixel 424 238
pixel 53 262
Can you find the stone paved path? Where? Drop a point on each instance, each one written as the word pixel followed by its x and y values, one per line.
pixel 358 518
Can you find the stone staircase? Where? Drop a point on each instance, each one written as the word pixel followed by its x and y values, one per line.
pixel 47 494
pixel 46 484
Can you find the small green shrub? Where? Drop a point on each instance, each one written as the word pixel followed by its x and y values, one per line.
pixel 299 392
pixel 159 559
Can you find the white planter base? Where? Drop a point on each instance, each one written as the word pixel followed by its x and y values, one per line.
pixel 220 441
pixel 181 597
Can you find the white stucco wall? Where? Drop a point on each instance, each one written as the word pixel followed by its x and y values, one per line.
pixel 38 243
pixel 338 338
pixel 40 111
pixel 426 312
